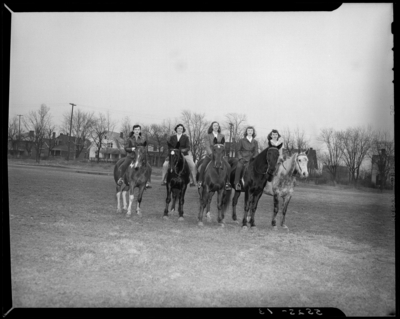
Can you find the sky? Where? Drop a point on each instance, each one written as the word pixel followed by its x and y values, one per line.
pixel 305 70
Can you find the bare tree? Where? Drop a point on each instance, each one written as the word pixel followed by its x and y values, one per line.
pixel 98 132
pixel 82 126
pixel 289 142
pixel 13 133
pixel 38 122
pixel 51 141
pixel 196 128
pixel 355 143
pixel 238 123
pixel 126 127
pixel 301 141
pixel 333 157
pixel 382 155
pixel 109 122
pixel 158 135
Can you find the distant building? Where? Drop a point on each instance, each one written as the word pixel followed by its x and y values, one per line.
pixel 376 178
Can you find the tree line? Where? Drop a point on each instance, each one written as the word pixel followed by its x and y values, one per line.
pixel 352 146
pixel 348 147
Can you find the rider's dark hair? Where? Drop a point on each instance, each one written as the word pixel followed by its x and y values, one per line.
pixel 210 129
pixel 273 131
pixel 250 127
pixel 133 128
pixel 176 127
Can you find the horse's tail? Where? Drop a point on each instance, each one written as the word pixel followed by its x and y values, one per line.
pixel 226 200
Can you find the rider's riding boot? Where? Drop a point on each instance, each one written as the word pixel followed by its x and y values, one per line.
pixel 228 186
pixel 268 189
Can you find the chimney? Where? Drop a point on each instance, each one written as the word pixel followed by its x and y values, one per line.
pixel 121 135
pixel 31 133
pixel 54 134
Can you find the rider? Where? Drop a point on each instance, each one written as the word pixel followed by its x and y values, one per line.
pixel 247 148
pixel 274 139
pixel 214 132
pixel 180 141
pixel 135 139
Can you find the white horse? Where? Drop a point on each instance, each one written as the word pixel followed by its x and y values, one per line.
pixel 284 181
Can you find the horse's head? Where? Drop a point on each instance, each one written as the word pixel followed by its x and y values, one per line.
pixel 218 152
pixel 302 164
pixel 272 159
pixel 175 156
pixel 138 157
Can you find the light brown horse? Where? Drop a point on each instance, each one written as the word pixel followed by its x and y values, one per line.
pixel 284 181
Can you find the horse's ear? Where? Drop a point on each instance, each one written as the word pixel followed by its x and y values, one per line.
pixel 223 140
pixel 215 141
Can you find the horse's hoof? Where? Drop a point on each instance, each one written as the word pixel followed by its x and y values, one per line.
pixel 165 217
pixel 181 219
pixel 208 215
pixel 244 228
pixel 200 224
pixel 285 227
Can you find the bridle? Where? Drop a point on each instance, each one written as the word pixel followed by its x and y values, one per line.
pixel 255 168
pixel 176 164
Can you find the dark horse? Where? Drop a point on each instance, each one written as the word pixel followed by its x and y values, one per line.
pixel 253 180
pixel 136 176
pixel 215 175
pixel 177 181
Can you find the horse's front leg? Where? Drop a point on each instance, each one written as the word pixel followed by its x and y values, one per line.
pixel 139 199
pixel 275 212
pixel 181 202
pixel 246 209
pixel 175 195
pixel 125 191
pixel 254 202
pixel 208 214
pixel 118 195
pixel 234 203
pixel 167 201
pixel 203 200
pixel 285 205
pixel 220 199
pixel 131 197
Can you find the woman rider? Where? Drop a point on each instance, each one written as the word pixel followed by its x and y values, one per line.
pixel 180 141
pixel 274 139
pixel 214 132
pixel 246 149
pixel 135 139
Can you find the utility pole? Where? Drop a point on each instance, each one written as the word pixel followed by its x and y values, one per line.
pixel 70 128
pixel 230 139
pixel 19 133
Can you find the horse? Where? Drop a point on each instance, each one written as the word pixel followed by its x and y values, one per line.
pixel 177 181
pixel 215 175
pixel 136 176
pixel 253 180
pixel 284 181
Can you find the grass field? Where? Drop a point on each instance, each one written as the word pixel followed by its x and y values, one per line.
pixel 69 248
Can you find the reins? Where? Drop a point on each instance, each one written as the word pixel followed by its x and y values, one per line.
pixel 183 166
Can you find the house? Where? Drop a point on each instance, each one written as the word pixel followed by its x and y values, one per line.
pixel 59 146
pixel 112 149
pixel 376 179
